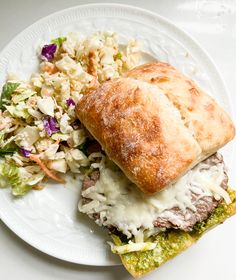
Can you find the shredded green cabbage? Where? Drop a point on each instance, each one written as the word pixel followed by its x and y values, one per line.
pixel 7 91
pixel 18 111
pixel 22 96
pixel 10 175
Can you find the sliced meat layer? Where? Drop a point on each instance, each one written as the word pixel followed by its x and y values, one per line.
pixel 175 217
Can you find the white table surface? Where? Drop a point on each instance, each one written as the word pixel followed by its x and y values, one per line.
pixel 213 24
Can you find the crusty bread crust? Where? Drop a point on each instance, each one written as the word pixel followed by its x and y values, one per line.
pixel 141 131
pixel 157 130
pixel 210 124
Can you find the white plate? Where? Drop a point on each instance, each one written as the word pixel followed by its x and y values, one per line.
pixel 48 219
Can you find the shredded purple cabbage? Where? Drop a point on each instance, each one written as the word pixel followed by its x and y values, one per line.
pixel 48 51
pixel 25 152
pixel 50 125
pixel 70 102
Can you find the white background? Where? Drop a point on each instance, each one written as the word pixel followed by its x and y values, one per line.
pixel 213 24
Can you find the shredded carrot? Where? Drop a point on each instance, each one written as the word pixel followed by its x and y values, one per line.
pixel 49 68
pixel 57 142
pixel 45 169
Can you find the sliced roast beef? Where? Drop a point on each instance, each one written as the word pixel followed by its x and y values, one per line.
pixel 175 217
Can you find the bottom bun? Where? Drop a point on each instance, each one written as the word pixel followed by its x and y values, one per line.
pixel 172 242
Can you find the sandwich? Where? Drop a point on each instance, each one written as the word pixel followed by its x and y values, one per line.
pixel 160 183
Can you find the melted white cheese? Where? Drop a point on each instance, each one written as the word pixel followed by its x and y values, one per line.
pixel 121 204
pixel 132 247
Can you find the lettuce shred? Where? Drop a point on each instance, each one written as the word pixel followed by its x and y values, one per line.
pixel 58 41
pixel 7 91
pixel 10 176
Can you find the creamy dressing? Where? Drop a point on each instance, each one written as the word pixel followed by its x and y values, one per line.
pixel 121 204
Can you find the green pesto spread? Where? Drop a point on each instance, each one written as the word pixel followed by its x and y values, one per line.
pixel 172 242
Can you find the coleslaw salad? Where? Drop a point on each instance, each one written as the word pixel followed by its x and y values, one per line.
pixel 40 135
